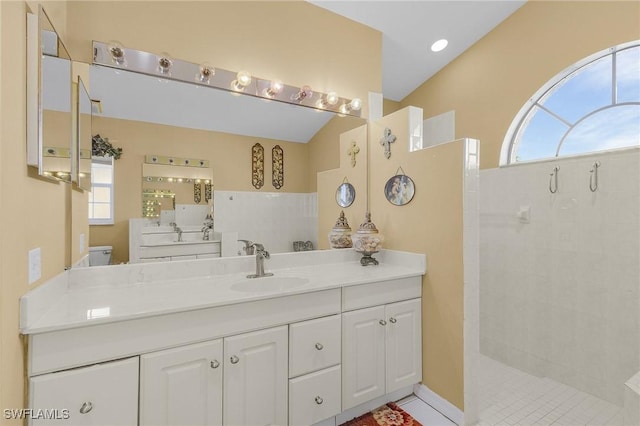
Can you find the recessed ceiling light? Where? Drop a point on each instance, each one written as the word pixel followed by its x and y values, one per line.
pixel 439 45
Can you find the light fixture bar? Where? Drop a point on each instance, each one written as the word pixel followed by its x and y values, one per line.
pixel 183 71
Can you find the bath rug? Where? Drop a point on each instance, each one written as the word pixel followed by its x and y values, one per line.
pixel 387 415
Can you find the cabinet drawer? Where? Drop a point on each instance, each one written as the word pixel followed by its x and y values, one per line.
pixel 380 293
pixel 314 345
pixel 314 397
pixel 103 394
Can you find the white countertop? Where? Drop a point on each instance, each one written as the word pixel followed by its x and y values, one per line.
pixel 90 296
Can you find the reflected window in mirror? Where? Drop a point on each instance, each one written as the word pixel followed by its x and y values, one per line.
pixel 101 196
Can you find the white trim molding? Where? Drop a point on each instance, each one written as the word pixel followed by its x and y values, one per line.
pixel 445 408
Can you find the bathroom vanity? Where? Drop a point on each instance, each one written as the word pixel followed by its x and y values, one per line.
pixel 196 342
pixel 152 242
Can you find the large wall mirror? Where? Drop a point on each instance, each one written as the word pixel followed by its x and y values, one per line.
pixel 49 121
pixel 149 114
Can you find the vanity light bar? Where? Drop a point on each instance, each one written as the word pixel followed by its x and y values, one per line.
pixel 236 82
pixel 170 179
pixel 174 161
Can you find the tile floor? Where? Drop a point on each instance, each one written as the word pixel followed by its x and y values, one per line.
pixel 510 397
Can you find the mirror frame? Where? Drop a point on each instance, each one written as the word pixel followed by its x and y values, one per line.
pixel 36 24
pixel 80 173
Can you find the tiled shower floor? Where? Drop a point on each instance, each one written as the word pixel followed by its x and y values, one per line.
pixel 508 396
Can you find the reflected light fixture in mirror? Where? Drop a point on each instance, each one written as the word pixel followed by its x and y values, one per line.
pixel 205 72
pixel 117 52
pixel 113 55
pixel 164 64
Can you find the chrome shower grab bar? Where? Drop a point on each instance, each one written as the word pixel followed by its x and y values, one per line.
pixel 593 177
pixel 553 180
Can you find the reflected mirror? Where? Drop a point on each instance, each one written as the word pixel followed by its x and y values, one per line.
pixel 345 194
pixel 82 163
pixel 49 124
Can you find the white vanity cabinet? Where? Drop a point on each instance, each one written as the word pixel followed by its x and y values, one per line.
pixel 381 350
pixel 103 394
pixel 255 378
pixel 188 384
pixel 182 385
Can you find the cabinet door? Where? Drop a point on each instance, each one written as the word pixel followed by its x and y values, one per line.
pixel 182 385
pixel 403 344
pixel 255 378
pixel 362 356
pixel 103 394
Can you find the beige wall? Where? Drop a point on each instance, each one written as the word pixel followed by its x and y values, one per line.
pixel 324 147
pixel 432 224
pixel 229 156
pixel 489 83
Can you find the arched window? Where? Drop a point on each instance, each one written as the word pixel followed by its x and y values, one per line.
pixel 592 106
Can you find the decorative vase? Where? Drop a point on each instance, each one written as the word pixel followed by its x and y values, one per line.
pixel 340 235
pixel 367 240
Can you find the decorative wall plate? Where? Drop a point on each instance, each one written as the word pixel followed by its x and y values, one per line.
pixel 399 190
pixel 277 162
pixel 257 166
pixel 345 194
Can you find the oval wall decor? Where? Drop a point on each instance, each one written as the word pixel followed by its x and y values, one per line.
pixel 257 166
pixel 277 162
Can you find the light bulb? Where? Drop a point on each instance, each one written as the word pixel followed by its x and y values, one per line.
pixel 164 63
pixel 332 98
pixel 303 93
pixel 275 87
pixel 243 79
pixel 205 72
pixel 356 104
pixel 116 51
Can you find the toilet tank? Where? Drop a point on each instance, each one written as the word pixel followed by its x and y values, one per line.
pixel 100 255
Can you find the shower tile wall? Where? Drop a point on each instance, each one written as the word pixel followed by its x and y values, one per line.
pixel 275 219
pixel 560 294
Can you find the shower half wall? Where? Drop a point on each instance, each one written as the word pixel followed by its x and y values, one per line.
pixel 559 272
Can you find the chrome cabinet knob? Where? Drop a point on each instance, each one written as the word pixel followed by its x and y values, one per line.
pixel 392 320
pixel 319 400
pixel 86 407
pixel 215 363
pixel 383 322
pixel 319 346
pixel 234 359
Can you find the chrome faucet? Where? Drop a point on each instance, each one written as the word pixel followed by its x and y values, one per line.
pixel 248 247
pixel 261 255
pixel 177 229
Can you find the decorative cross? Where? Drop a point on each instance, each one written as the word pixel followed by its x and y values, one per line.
pixel 352 152
pixel 386 141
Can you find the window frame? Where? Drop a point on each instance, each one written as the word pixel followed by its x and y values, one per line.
pixel 111 219
pixel 511 140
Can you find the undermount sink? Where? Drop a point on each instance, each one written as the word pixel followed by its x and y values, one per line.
pixel 269 284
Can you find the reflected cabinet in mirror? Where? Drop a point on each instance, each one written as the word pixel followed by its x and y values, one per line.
pixel 49 124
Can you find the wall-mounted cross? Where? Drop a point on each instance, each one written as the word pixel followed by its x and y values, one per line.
pixel 352 152
pixel 386 141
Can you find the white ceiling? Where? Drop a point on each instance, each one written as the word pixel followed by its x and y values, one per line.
pixel 410 27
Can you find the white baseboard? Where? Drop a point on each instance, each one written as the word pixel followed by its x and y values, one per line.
pixel 447 409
